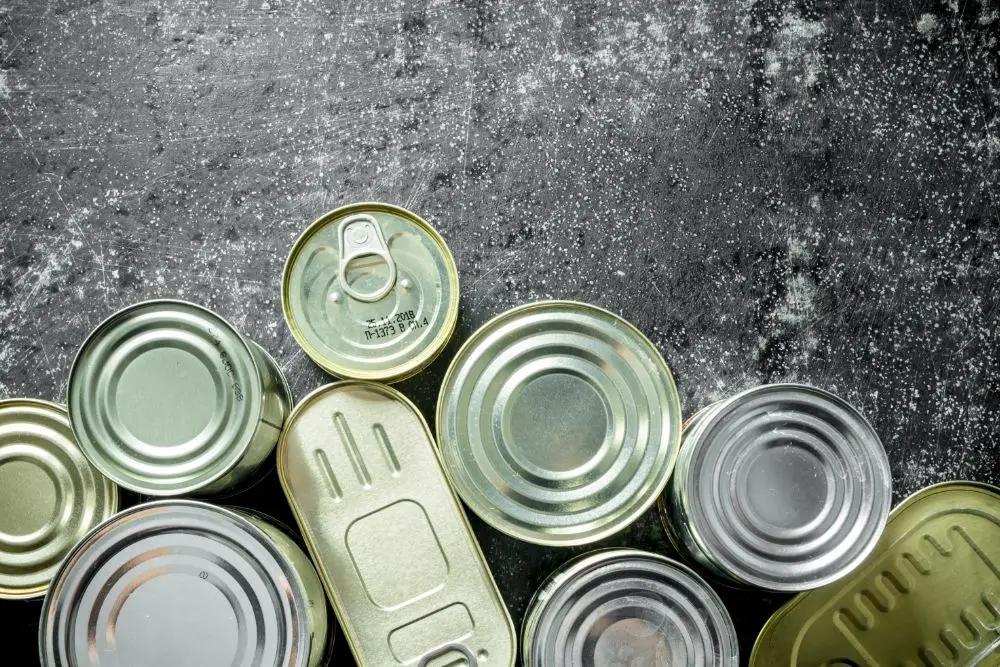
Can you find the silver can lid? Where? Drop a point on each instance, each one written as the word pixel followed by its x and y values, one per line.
pixel 175 583
pixel 559 423
pixel 787 487
pixel 628 607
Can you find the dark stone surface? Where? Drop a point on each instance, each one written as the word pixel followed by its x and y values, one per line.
pixel 770 190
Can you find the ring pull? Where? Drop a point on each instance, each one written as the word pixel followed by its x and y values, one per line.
pixel 360 236
pixel 446 649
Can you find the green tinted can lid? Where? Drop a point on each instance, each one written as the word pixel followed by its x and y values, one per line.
pixel 559 423
pixel 50 496
pixel 370 292
pixel 165 397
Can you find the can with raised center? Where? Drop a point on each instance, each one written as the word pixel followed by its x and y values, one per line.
pixel 627 607
pixel 167 398
pixel 399 560
pixel 50 496
pixel 181 582
pixel 370 292
pixel 559 423
pixel 783 487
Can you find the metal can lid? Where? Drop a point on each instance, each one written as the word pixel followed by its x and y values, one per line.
pixel 50 495
pixel 787 487
pixel 624 606
pixel 370 292
pixel 175 582
pixel 165 397
pixel 559 423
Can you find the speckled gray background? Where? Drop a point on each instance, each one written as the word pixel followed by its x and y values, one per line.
pixel 770 190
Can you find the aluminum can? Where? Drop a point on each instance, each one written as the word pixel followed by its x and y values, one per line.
pixel 559 423
pixel 627 607
pixel 401 565
pixel 783 487
pixel 50 496
pixel 182 582
pixel 167 398
pixel 370 292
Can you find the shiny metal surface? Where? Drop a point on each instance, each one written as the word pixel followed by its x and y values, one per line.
pixel 627 607
pixel 783 487
pixel 175 583
pixel 50 496
pixel 401 565
pixel 558 422
pixel 166 398
pixel 370 291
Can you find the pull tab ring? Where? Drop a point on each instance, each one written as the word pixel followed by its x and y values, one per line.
pixel 448 648
pixel 360 236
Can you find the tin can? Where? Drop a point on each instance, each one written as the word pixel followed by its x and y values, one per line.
pixel 401 565
pixel 783 487
pixel 50 496
pixel 627 607
pixel 167 398
pixel 929 594
pixel 181 582
pixel 559 423
pixel 370 292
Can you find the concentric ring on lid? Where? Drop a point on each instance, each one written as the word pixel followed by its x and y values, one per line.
pixel 165 397
pixel 559 423
pixel 627 607
pixel 788 487
pixel 50 496
pixel 175 583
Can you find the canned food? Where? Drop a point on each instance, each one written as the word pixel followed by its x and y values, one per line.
pixel 929 595
pixel 559 423
pixel 49 494
pixel 783 487
pixel 370 291
pixel 627 607
pixel 401 565
pixel 180 582
pixel 167 398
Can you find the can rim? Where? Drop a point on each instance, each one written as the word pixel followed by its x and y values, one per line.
pixel 402 371
pixel 674 421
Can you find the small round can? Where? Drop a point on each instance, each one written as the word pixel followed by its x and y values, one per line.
pixel 559 423
pixel 370 292
pixel 50 496
pixel 783 487
pixel 627 607
pixel 182 582
pixel 167 398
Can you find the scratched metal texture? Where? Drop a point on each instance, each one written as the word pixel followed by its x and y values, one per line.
pixel 801 191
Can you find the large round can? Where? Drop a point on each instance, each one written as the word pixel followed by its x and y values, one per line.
pixel 50 496
pixel 559 423
pixel 783 487
pixel 370 292
pixel 627 607
pixel 167 398
pixel 180 582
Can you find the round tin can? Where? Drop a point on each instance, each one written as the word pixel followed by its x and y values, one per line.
pixel 180 582
pixel 167 398
pixel 50 496
pixel 370 292
pixel 627 607
pixel 559 423
pixel 783 487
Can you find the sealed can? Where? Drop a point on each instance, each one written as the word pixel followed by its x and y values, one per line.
pixel 181 582
pixel 783 487
pixel 370 292
pixel 929 594
pixel 401 565
pixel 50 496
pixel 627 607
pixel 167 398
pixel 559 423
